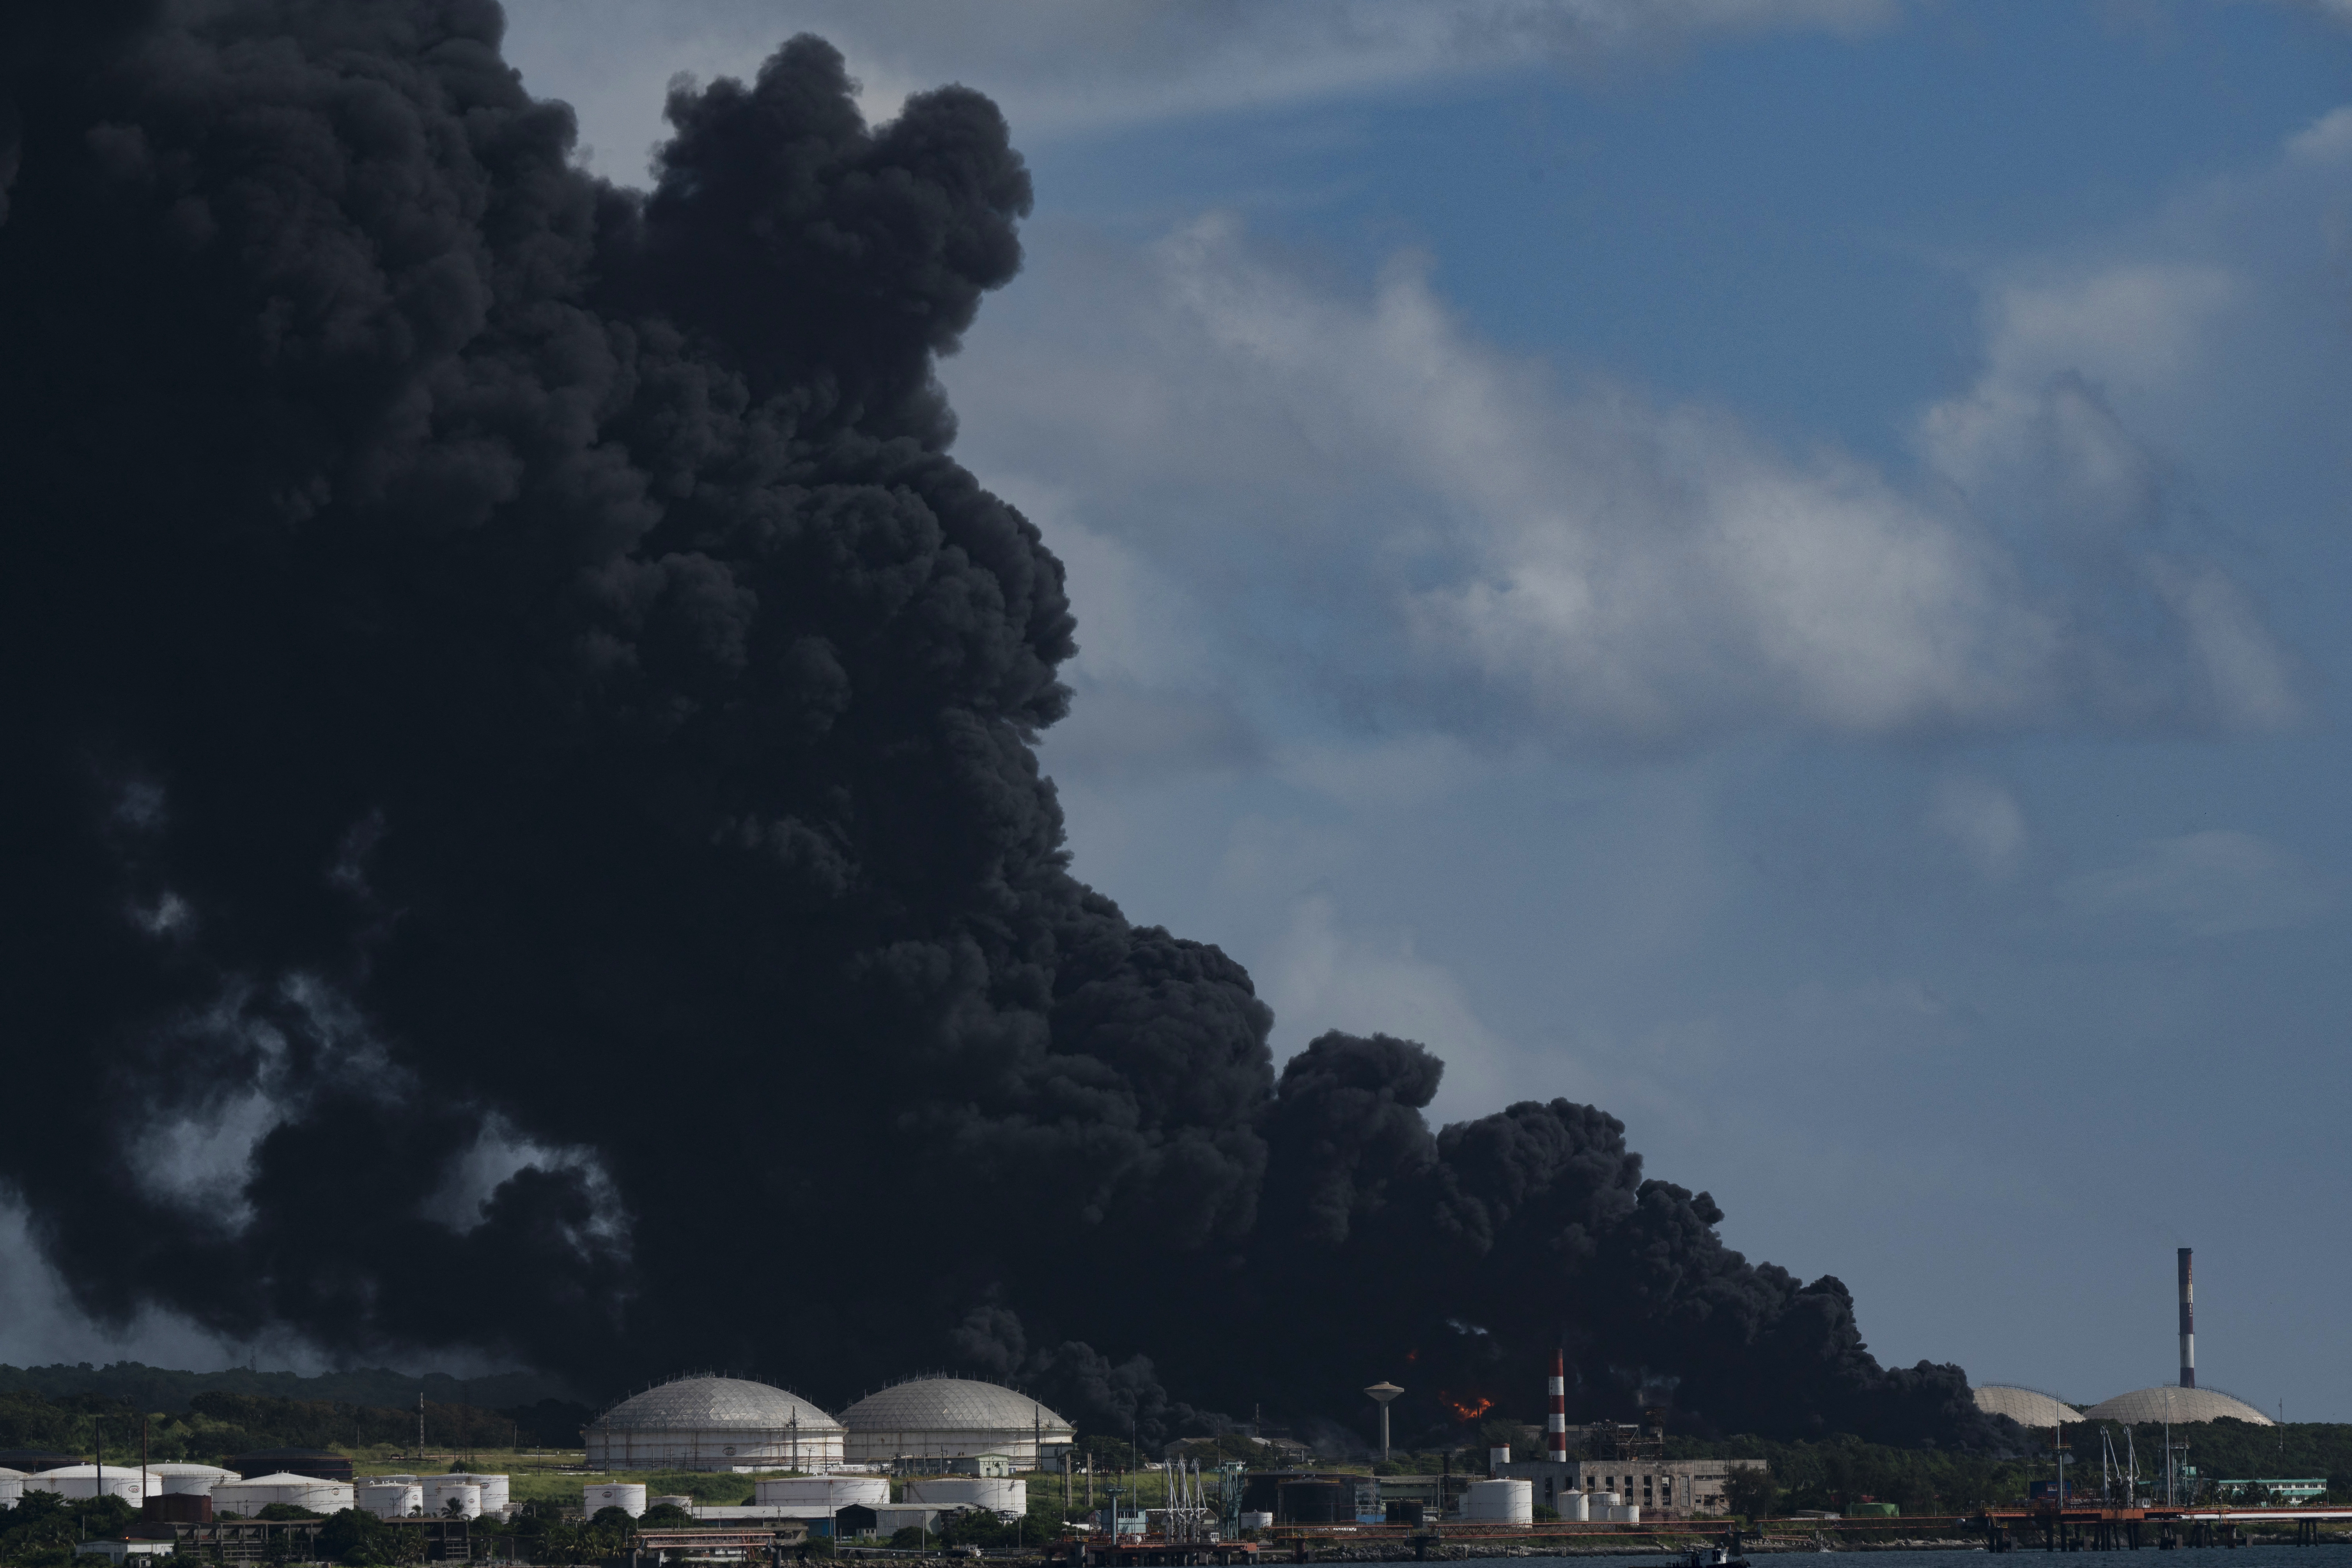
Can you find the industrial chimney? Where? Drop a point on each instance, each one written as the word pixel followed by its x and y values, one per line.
pixel 1556 1424
pixel 2188 1325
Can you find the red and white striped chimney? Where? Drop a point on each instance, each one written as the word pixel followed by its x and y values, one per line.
pixel 1556 1428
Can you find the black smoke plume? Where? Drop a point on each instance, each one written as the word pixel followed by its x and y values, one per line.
pixel 522 825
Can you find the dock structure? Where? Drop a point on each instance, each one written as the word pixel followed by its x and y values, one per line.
pixel 1155 1552
pixel 2107 1527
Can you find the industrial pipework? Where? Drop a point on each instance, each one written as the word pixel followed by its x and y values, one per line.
pixel 2188 1325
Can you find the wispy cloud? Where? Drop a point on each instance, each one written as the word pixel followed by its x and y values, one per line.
pixel 2218 882
pixel 1067 67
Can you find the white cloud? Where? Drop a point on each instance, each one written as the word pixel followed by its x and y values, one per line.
pixel 1066 67
pixel 1370 504
pixel 2218 882
pixel 1320 976
pixel 1983 818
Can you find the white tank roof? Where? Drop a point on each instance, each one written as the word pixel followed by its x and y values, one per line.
pixel 2178 1405
pixel 2026 1407
pixel 952 1405
pixel 177 1468
pixel 8 1475
pixel 717 1405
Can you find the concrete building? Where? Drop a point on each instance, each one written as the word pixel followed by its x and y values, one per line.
pixel 1660 1488
pixel 930 1422
pixel 714 1424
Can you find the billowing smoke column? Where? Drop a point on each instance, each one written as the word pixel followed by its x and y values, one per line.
pixel 2188 1325
pixel 522 829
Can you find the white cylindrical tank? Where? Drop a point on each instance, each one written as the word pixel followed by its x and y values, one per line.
pixel 1257 1518
pixel 1511 1500
pixel 92 1480
pixel 1619 1513
pixel 494 1490
pixel 993 1493
pixel 453 1497
pixel 1575 1505
pixel 627 1496
pixel 249 1497
pixel 821 1491
pixel 389 1498
pixel 1601 1500
pixel 12 1487
pixel 181 1478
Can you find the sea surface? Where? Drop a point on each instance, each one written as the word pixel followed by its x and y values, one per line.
pixel 2336 1553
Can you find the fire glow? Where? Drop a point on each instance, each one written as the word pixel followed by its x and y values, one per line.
pixel 1470 1412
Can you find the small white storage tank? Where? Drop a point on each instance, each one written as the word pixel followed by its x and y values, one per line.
pixel 12 1487
pixel 1575 1505
pixel 1257 1518
pixel 1510 1500
pixel 453 1497
pixel 627 1496
pixel 181 1478
pixel 821 1491
pixel 250 1496
pixel 1010 1498
pixel 389 1498
pixel 494 1488
pixel 93 1480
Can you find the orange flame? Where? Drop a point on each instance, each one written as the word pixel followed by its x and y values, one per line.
pixel 1471 1412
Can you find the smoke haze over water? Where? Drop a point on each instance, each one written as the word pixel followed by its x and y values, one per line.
pixel 523 833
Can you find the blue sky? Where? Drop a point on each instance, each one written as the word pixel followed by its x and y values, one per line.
pixel 1772 565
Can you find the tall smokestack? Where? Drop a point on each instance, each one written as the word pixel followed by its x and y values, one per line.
pixel 1556 1424
pixel 2188 1325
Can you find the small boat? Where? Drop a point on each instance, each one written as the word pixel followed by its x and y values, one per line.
pixel 1715 1557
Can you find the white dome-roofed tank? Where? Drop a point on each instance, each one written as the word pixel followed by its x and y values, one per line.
pixel 2026 1407
pixel 950 1417
pixel 714 1424
pixel 250 1496
pixel 2179 1406
pixel 178 1478
pixel 629 1497
pixel 85 1481
pixel 999 1496
pixel 821 1491
pixel 389 1497
pixel 1510 1500
pixel 12 1487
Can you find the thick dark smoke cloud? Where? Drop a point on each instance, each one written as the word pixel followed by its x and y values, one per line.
pixel 517 724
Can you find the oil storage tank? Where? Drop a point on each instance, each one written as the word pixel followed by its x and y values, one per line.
pixel 12 1487
pixel 820 1494
pixel 389 1498
pixel 1009 1499
pixel 1511 1500
pixel 494 1488
pixel 629 1497
pixel 250 1496
pixel 178 1479
pixel 950 1417
pixel 1311 1502
pixel 714 1424
pixel 321 1463
pixel 82 1481
pixel 452 1497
